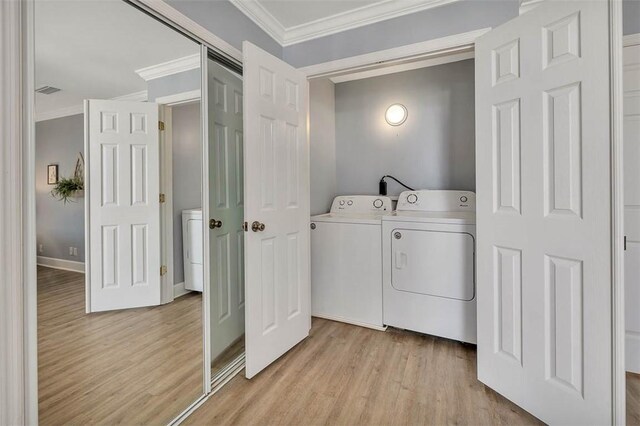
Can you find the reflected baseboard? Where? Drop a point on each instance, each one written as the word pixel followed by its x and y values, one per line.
pixel 179 290
pixel 63 264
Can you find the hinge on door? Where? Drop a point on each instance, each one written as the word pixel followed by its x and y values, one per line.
pixel 160 125
pixel 625 243
pixel 163 270
pixel 245 226
pixel 162 198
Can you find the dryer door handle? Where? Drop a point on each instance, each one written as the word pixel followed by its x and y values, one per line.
pixel 401 260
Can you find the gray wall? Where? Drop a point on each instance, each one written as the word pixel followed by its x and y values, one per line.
pixel 322 133
pixel 631 16
pixel 227 22
pixel 433 149
pixel 187 174
pixel 434 23
pixel 59 225
pixel 173 84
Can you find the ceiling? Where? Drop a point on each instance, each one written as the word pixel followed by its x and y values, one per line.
pixel 90 49
pixel 294 21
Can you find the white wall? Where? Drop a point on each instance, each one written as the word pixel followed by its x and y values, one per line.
pixel 433 149
pixel 323 144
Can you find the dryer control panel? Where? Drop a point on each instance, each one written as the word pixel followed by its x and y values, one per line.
pixel 361 204
pixel 426 200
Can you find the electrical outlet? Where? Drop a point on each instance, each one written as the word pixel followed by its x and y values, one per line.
pixel 70 251
pixel 40 248
pixel 75 251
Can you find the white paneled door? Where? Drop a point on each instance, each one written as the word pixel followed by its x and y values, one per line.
pixel 278 301
pixel 123 208
pixel 226 207
pixel 632 204
pixel 543 212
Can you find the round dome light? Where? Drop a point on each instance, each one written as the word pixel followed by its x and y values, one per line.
pixel 396 114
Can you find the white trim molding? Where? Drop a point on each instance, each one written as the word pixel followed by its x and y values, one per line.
pixel 18 352
pixel 440 47
pixel 140 96
pixel 632 350
pixel 174 66
pixel 631 40
pixel 179 98
pixel 350 19
pixel 179 290
pixel 62 264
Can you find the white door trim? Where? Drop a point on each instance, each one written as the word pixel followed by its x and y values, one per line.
pixel 616 99
pixel 439 47
pixel 166 208
pixel 18 322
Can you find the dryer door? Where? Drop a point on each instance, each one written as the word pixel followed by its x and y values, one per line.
pixel 433 263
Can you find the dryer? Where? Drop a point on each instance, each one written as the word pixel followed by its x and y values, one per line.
pixel 346 260
pixel 429 264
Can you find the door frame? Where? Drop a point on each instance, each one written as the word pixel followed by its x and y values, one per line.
pixel 19 195
pixel 436 51
pixel 166 104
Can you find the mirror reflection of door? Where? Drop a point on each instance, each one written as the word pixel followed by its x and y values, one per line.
pixel 226 210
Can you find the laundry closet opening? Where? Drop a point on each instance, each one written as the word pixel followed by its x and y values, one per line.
pixel 393 162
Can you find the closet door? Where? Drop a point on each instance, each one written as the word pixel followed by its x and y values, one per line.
pixel 544 212
pixel 278 293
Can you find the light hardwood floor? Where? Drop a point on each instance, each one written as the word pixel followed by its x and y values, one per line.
pixel 348 375
pixel 134 366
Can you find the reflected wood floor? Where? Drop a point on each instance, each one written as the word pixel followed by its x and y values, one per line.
pixel 134 366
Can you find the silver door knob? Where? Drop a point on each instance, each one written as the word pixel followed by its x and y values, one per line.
pixel 257 226
pixel 213 224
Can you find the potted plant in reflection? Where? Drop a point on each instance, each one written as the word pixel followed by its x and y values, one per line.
pixel 66 189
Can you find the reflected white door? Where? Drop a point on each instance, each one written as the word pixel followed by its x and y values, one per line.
pixel 123 207
pixel 225 207
pixel 632 204
pixel 278 301
pixel 543 212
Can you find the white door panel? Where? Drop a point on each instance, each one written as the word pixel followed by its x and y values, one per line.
pixel 632 204
pixel 124 209
pixel 543 212
pixel 276 195
pixel 226 205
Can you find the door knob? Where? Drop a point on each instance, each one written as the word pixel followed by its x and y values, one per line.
pixel 213 224
pixel 257 226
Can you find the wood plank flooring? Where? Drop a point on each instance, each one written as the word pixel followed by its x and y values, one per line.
pixel 144 366
pixel 348 375
pixel 134 366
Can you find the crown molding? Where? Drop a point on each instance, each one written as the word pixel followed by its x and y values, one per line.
pixel 140 96
pixel 365 15
pixel 170 67
pixel 631 40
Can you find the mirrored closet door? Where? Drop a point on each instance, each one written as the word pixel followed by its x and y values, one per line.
pixel 118 159
pixel 226 217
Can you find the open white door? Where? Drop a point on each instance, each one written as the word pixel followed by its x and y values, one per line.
pixel 123 207
pixel 544 212
pixel 278 293
pixel 226 207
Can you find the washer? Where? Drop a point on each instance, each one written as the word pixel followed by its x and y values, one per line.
pixel 346 260
pixel 429 264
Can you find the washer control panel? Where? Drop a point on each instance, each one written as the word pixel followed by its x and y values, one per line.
pixel 437 201
pixel 361 204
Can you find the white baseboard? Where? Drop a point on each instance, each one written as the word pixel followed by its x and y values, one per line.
pixel 65 265
pixel 179 290
pixel 632 352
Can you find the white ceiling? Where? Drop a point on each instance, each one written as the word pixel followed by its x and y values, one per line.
pixel 91 49
pixel 294 21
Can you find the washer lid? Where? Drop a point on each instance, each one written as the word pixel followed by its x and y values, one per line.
pixel 460 218
pixel 362 218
